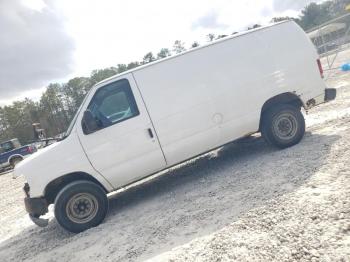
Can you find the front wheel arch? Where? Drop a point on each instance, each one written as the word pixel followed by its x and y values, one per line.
pixel 55 186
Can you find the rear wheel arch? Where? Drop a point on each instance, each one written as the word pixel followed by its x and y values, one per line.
pixel 14 158
pixel 55 186
pixel 284 98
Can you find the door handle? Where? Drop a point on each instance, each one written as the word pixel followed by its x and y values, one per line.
pixel 150 132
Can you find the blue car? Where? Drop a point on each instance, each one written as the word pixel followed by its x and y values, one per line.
pixel 11 153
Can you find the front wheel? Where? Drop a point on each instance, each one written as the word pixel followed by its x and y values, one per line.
pixel 283 126
pixel 81 205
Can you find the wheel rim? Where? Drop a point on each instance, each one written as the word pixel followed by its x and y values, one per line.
pixel 82 208
pixel 285 126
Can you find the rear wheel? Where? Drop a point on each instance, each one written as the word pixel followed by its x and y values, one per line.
pixel 81 205
pixel 283 126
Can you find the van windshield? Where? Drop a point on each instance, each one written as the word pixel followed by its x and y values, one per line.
pixel 72 123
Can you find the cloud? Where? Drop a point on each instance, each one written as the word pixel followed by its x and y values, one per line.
pixel 209 21
pixel 34 48
pixel 295 5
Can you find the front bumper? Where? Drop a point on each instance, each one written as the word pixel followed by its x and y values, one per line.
pixel 35 207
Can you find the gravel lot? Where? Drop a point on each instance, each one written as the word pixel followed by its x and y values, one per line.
pixel 244 202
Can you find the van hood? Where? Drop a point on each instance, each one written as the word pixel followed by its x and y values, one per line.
pixel 33 157
pixel 59 159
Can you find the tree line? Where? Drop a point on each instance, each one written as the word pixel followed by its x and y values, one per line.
pixel 60 101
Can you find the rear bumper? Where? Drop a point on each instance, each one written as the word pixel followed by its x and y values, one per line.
pixel 330 94
pixel 4 165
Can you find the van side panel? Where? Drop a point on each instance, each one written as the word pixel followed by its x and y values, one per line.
pixel 202 99
pixel 213 95
pixel 181 106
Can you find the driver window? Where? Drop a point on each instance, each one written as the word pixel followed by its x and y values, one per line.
pixel 113 103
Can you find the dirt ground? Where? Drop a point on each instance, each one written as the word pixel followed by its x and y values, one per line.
pixel 244 202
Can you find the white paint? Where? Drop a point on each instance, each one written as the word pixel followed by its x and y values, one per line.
pixel 232 78
pixel 54 161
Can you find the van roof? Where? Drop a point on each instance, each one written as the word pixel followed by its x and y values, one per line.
pixel 191 50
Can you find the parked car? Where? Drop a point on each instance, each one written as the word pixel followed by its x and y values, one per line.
pixel 11 153
pixel 148 119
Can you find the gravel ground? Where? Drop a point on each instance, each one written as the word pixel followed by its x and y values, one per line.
pixel 244 202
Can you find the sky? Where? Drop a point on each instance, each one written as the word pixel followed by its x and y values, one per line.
pixel 46 41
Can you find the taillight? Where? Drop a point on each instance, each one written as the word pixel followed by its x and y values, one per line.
pixel 30 149
pixel 320 67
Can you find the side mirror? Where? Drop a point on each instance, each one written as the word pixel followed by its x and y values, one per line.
pixel 89 123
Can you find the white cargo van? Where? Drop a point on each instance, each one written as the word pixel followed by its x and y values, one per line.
pixel 153 117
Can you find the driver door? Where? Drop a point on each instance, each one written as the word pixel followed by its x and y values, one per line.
pixel 125 148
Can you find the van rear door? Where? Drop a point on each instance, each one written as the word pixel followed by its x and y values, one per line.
pixel 126 147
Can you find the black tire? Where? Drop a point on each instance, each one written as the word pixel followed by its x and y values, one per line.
pixel 283 126
pixel 81 205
